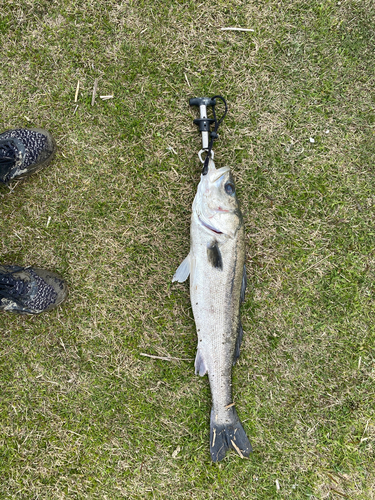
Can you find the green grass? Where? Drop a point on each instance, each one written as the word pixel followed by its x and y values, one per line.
pixel 82 413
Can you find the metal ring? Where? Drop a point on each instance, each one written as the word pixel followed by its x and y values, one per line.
pixel 205 151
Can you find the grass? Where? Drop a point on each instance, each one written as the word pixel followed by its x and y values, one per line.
pixel 83 414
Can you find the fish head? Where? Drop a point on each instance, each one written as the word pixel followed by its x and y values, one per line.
pixel 215 205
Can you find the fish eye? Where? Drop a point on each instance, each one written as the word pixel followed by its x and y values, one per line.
pixel 229 188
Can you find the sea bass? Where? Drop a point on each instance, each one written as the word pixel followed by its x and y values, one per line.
pixel 216 265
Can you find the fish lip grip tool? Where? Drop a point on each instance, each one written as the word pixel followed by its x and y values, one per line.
pixel 204 123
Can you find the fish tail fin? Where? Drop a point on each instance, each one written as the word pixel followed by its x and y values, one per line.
pixel 228 435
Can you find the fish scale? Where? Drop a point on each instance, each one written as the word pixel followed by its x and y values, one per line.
pixel 217 284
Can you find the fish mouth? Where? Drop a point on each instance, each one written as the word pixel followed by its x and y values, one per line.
pixel 218 173
pixel 211 228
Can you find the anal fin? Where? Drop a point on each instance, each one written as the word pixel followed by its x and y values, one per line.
pixel 200 366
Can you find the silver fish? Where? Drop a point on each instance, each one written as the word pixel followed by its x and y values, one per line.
pixel 216 265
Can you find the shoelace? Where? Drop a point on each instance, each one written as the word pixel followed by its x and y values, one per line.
pixel 11 288
pixel 7 154
pixel 7 160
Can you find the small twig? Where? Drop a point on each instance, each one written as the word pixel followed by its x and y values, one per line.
pixel 74 112
pixel 186 78
pixel 11 189
pixel 164 358
pixel 94 92
pixel 49 381
pixel 236 29
pixel 237 449
pixel 105 97
pixel 316 263
pixel 229 406
pixel 76 433
pixel 77 90
pixel 214 438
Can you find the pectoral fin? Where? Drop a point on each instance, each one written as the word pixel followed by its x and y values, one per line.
pixel 183 271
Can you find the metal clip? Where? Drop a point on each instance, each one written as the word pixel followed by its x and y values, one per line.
pixel 204 151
